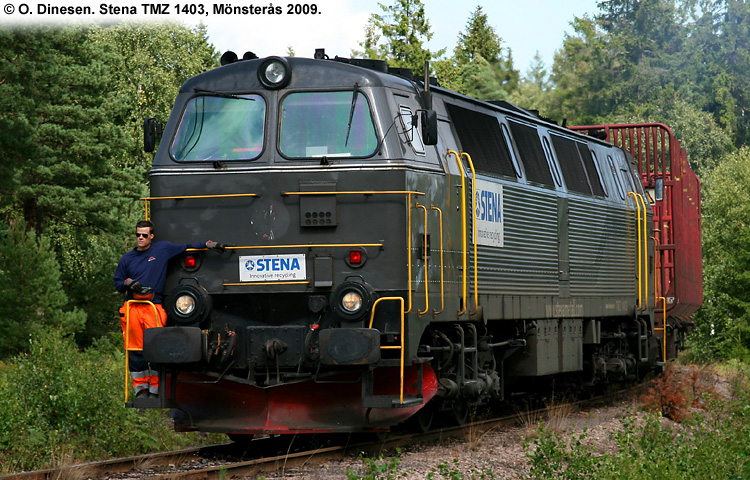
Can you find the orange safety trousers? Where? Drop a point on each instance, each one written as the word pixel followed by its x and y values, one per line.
pixel 142 316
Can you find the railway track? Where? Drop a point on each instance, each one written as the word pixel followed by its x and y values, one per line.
pixel 278 454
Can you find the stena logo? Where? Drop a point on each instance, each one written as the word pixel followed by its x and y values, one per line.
pixel 268 268
pixel 489 206
pixel 277 264
pixel 489 214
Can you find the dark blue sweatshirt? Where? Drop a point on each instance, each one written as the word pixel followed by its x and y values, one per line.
pixel 149 267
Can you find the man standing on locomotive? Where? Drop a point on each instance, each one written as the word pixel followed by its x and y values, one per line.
pixel 140 275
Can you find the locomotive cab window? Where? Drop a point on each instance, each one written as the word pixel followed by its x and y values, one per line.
pixel 411 130
pixel 221 128
pixel 326 124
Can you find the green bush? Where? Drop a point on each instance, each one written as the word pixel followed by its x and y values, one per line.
pixel 60 404
pixel 710 443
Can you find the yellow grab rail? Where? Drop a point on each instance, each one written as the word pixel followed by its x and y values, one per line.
pixel 474 226
pixel 127 340
pixel 442 275
pixel 463 225
pixel 185 197
pixel 426 264
pixel 298 245
pixel 356 192
pixel 387 347
pixel 642 232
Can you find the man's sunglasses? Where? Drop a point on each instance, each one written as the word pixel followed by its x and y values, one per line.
pixel 144 235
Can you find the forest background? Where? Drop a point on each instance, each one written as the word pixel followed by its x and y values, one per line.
pixel 73 100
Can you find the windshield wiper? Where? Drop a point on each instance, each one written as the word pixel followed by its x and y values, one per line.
pixel 351 113
pixel 222 95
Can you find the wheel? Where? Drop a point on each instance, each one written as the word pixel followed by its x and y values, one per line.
pixel 240 437
pixel 461 412
pixel 422 420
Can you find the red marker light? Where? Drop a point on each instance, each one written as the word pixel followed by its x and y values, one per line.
pixel 355 257
pixel 190 261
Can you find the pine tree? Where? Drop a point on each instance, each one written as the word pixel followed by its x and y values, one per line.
pixel 486 72
pixel 59 132
pixel 479 39
pixel 31 295
pixel 404 28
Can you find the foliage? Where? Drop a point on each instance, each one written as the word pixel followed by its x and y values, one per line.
pixel 74 99
pixel 58 401
pixel 31 296
pixel 58 135
pixel 665 396
pixel 723 325
pixel 636 54
pixel 711 443
pixel 453 471
pixel 404 28
pixel 377 469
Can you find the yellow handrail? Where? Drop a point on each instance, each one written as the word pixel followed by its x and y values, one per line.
pixel 127 340
pixel 356 192
pixel 426 264
pixel 645 246
pixel 408 249
pixel 401 347
pixel 463 225
pixel 442 275
pixel 298 245
pixel 642 240
pixel 474 228
pixel 185 197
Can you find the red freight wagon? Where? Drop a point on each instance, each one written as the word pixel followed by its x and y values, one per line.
pixel 663 166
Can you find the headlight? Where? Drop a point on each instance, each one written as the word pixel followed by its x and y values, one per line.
pixel 352 302
pixel 274 73
pixel 188 305
pixel 184 305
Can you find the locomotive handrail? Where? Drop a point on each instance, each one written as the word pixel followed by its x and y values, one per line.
pixel 442 275
pixel 388 347
pixel 297 245
pixel 642 231
pixel 426 264
pixel 356 192
pixel 463 226
pixel 474 228
pixel 127 340
pixel 185 197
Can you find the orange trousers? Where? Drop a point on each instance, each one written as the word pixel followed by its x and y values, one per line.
pixel 141 316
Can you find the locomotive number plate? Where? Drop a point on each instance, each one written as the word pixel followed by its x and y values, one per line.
pixel 272 268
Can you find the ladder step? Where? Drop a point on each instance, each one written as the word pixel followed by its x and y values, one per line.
pixel 388 401
pixel 145 402
pixel 389 362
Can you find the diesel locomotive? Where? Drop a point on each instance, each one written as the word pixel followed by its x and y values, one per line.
pixel 396 250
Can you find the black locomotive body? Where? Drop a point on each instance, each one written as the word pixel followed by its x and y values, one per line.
pixel 391 250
